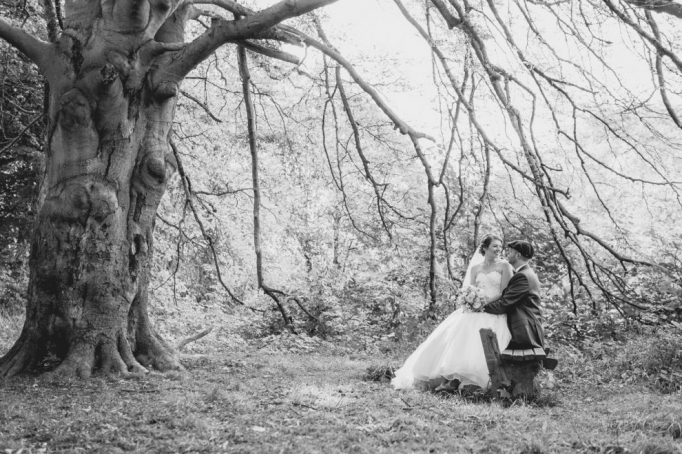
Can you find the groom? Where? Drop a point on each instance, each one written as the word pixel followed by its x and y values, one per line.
pixel 521 300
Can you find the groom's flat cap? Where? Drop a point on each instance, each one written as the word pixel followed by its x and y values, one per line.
pixel 524 248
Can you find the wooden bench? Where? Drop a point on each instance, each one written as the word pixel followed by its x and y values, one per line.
pixel 523 355
pixel 513 372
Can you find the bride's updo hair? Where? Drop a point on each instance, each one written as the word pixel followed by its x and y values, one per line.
pixel 487 241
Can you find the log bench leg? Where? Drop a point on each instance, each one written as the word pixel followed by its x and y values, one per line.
pixel 522 376
pixel 514 378
pixel 498 376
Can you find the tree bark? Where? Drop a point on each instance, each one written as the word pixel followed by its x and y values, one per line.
pixel 114 75
pixel 106 172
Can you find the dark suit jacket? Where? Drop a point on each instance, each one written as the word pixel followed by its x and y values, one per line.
pixel 521 302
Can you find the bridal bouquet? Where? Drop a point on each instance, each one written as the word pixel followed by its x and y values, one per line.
pixel 471 298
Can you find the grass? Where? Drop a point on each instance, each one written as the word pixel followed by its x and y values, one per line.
pixel 258 400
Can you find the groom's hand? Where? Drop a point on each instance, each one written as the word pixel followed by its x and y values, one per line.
pixel 494 307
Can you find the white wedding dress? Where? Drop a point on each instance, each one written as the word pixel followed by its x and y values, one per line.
pixel 454 350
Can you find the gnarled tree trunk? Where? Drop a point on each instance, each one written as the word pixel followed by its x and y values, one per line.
pixel 107 169
pixel 113 75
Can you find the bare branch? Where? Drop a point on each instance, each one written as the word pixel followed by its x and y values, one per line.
pixel 449 18
pixel 484 193
pixel 401 125
pixel 251 126
pixel 15 139
pixel 338 180
pixel 209 240
pixel 202 105
pixel 53 19
pixel 38 51
pixel 223 31
pixel 193 338
pixel 659 6
pixel 661 75
pixel 270 52
pixel 647 37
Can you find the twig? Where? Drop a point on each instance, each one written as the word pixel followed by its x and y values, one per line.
pixel 23 131
pixel 136 391
pixel 204 106
pixel 299 304
pixel 193 338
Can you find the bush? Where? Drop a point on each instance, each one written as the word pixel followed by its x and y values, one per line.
pixel 639 355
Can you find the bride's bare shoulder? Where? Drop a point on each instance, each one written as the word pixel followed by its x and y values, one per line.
pixel 503 265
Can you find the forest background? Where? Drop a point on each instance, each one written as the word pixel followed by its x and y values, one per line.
pixel 365 248
pixel 345 224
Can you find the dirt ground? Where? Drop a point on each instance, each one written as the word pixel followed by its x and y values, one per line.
pixel 263 402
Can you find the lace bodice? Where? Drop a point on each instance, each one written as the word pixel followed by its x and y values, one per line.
pixel 489 283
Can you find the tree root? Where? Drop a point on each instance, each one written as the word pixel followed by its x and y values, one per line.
pixel 106 354
pixel 78 363
pixel 152 351
pixel 111 361
pixel 20 357
pixel 127 356
pixel 155 353
pixel 116 357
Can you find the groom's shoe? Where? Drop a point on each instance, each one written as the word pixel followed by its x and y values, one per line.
pixel 550 363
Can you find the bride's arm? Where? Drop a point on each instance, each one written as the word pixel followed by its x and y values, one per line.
pixel 472 276
pixel 507 273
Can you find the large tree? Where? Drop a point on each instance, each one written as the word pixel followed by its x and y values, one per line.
pixel 113 71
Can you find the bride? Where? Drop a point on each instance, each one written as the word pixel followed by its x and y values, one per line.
pixel 453 354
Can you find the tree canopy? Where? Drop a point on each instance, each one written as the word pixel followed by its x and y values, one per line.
pixel 542 116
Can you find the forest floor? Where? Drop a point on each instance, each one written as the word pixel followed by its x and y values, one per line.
pixel 258 400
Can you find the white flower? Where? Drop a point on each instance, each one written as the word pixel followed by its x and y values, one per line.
pixel 471 298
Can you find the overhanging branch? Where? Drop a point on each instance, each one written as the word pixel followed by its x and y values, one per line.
pixel 659 6
pixel 38 51
pixel 253 147
pixel 645 36
pixel 223 31
pixel 332 53
pixel 270 52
